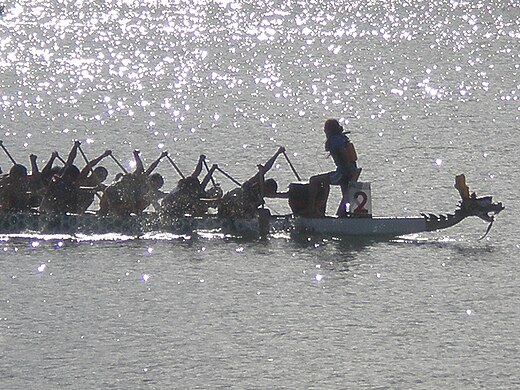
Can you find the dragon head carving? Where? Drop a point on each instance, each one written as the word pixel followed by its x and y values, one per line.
pixel 471 205
pixel 483 207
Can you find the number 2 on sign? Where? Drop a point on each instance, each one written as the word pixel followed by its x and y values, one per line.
pixel 360 209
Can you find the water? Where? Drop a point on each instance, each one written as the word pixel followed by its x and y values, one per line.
pixel 429 90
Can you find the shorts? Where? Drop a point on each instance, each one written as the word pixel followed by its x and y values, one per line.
pixel 342 175
pixel 338 178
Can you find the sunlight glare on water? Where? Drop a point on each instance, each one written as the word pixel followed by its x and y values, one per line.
pixel 103 61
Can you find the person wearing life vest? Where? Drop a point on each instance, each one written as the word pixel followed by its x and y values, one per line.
pixel 344 156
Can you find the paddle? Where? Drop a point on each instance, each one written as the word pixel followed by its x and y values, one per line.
pixel 87 162
pixel 118 163
pixel 211 177
pixel 229 177
pixel 175 167
pixel 61 160
pixel 84 156
pixel 7 152
pixel 292 166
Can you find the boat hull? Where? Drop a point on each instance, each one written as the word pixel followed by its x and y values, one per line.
pixel 15 223
pixel 266 224
pixel 361 226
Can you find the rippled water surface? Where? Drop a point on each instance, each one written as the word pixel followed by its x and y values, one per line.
pixel 428 89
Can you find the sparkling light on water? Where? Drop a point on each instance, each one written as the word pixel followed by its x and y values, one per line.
pixel 183 57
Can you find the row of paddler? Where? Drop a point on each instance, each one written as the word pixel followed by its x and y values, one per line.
pixel 60 187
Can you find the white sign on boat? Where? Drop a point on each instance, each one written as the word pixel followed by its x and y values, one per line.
pixel 359 198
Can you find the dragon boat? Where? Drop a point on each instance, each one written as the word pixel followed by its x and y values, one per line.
pixel 356 224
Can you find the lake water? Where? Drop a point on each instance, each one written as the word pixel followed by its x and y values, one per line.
pixel 429 90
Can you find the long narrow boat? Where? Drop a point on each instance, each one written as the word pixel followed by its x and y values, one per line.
pixel 483 208
pixel 265 224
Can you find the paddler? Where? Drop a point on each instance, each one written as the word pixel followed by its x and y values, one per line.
pixel 244 201
pixel 344 155
pixel 189 197
pixel 60 195
pixel 90 181
pixel 14 190
pixel 49 170
pixel 19 190
pixel 132 192
pixel 64 193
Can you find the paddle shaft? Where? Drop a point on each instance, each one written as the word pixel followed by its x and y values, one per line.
pixel 229 177
pixel 118 163
pixel 175 167
pixel 211 177
pixel 62 160
pixel 292 167
pixel 84 156
pixel 7 153
pixel 91 170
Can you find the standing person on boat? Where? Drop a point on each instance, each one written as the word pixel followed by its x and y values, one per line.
pixel 131 193
pixel 344 155
pixel 189 197
pixel 244 201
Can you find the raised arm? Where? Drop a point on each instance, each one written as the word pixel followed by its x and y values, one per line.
pixel 269 164
pixel 73 153
pixel 34 166
pixel 198 167
pixel 92 163
pixel 139 167
pixel 154 165
pixel 46 171
pixel 208 176
pixel 263 169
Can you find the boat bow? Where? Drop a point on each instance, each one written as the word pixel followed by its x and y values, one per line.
pixel 470 206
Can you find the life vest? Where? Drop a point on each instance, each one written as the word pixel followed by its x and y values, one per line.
pixel 351 152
